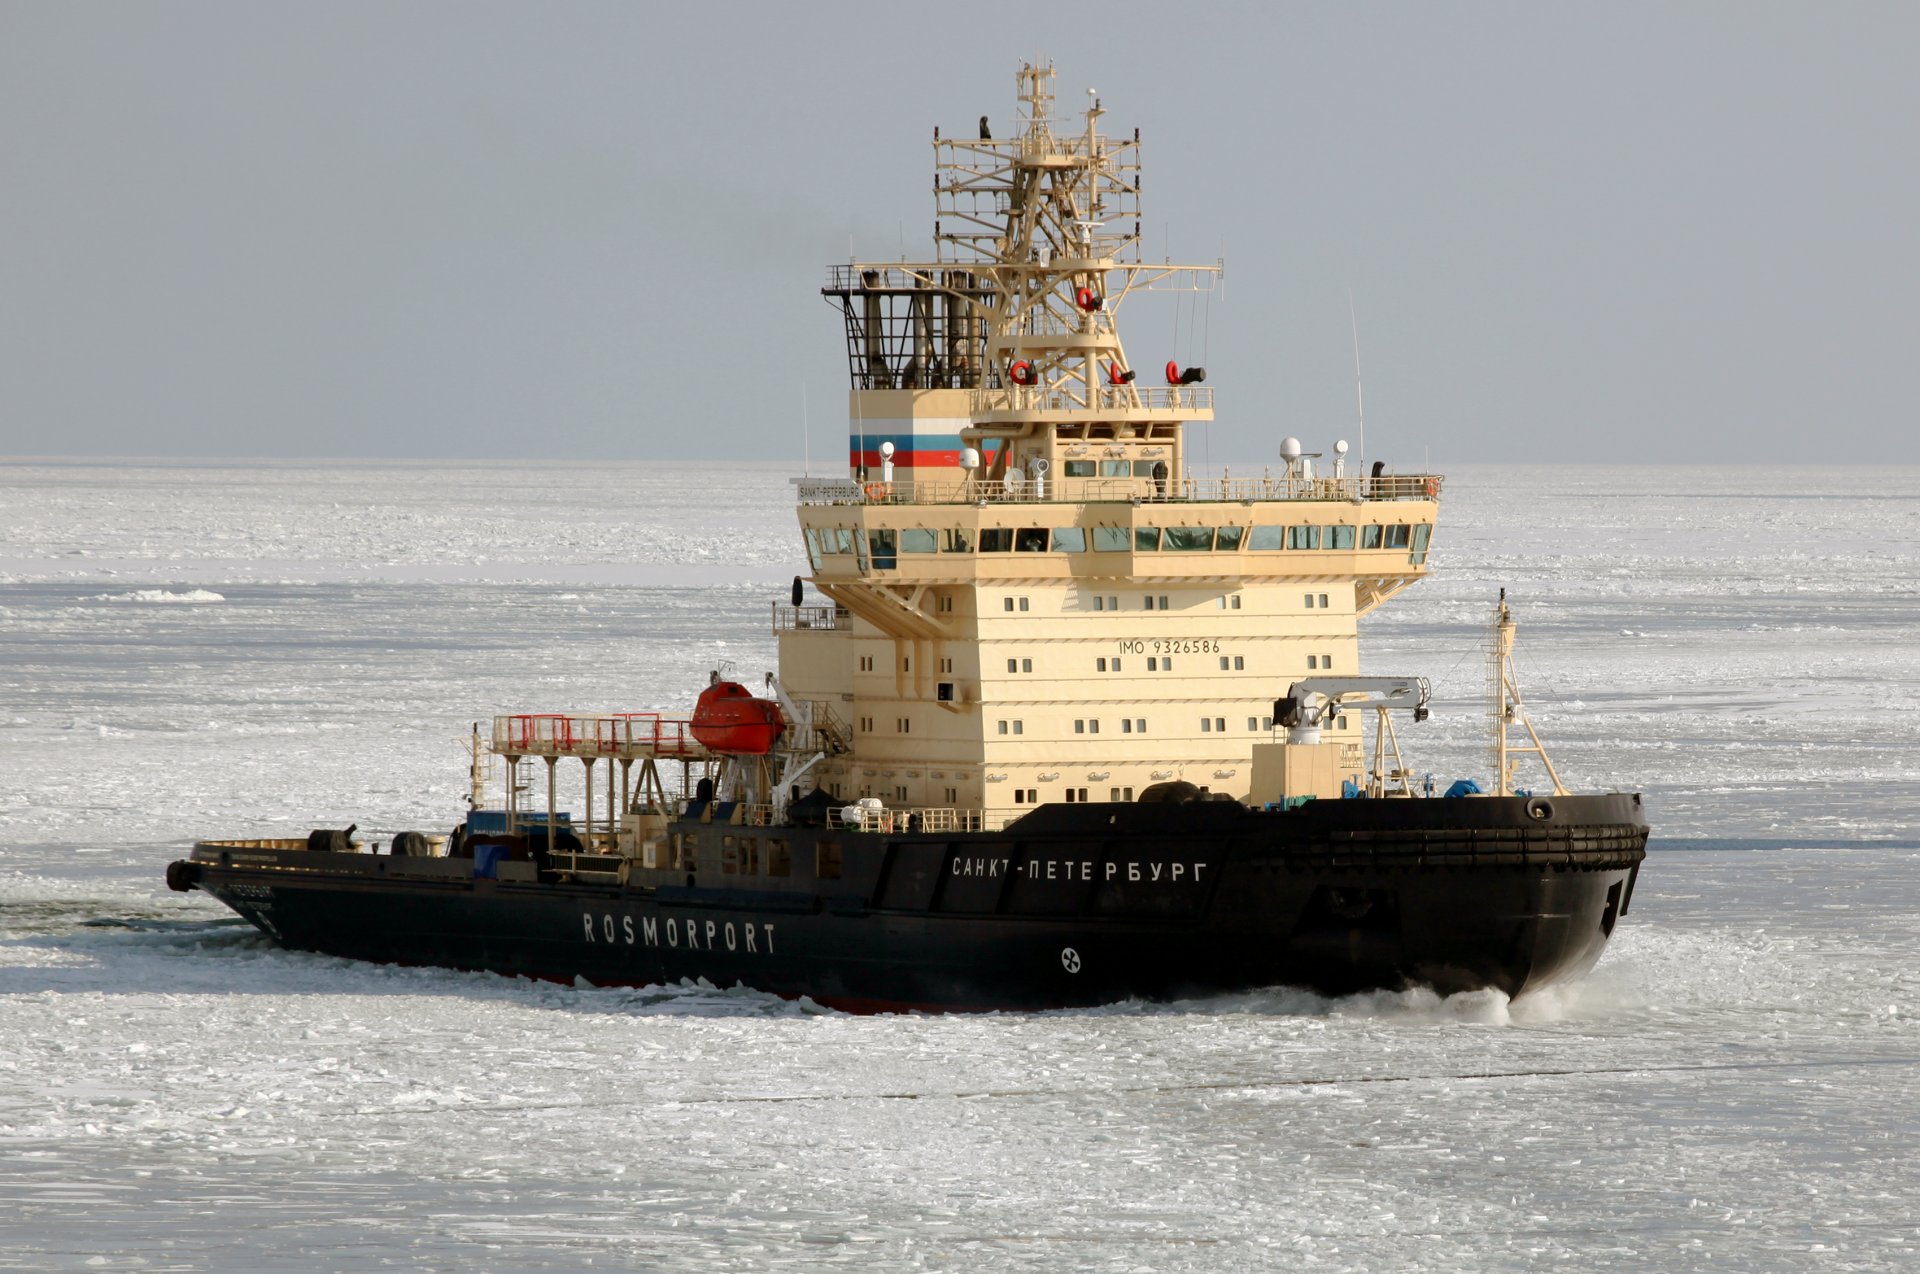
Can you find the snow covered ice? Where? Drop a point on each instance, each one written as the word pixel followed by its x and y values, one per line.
pixel 239 649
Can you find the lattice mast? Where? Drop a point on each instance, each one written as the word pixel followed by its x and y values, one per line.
pixel 1037 241
pixel 1509 712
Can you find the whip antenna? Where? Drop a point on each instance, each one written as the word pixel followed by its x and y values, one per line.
pixel 1359 390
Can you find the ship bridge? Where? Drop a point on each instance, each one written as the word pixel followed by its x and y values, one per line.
pixel 1032 597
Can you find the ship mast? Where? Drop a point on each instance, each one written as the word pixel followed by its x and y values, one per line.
pixel 1037 244
pixel 1508 710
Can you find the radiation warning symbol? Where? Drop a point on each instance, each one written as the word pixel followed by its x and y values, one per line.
pixel 1070 960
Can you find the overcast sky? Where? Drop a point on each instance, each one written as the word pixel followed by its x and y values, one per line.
pixel 1620 231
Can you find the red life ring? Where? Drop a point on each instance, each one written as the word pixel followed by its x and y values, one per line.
pixel 1022 373
pixel 1433 487
pixel 1173 372
pixel 876 492
pixel 1087 299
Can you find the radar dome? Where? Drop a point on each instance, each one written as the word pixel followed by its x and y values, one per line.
pixel 969 458
pixel 886 449
pixel 1340 448
pixel 1289 448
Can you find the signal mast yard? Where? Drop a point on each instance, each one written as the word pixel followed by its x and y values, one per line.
pixel 1068 725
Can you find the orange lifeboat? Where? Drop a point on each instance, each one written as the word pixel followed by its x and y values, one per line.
pixel 727 718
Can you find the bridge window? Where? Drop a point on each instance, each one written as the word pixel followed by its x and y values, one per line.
pixel 996 539
pixel 1398 537
pixel 1267 538
pixel 1115 469
pixel 1421 534
pixel 779 858
pixel 1339 537
pixel 1069 539
pixel 1303 537
pixel 1031 539
pixel 1111 539
pixel 1079 468
pixel 826 860
pixel 956 539
pixel 813 548
pixel 1370 537
pixel 1229 537
pixel 918 540
pixel 1146 539
pixel 1189 539
pixel 883 544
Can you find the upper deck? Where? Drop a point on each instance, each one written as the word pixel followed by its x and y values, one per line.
pixel 1115 489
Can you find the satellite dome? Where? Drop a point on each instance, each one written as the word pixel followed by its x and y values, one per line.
pixel 886 449
pixel 1340 448
pixel 1289 448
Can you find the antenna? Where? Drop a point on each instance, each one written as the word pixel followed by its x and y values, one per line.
pixel 806 435
pixel 1359 390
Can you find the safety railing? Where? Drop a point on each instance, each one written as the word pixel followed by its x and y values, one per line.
pixel 908 819
pixel 1067 395
pixel 1053 489
pixel 821 618
pixel 615 734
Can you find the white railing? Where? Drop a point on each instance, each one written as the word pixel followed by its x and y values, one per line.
pixel 1066 395
pixel 1056 489
pixel 819 618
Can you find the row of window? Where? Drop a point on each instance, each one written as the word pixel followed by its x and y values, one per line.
pixel 1031 795
pixel 885 545
pixel 1138 725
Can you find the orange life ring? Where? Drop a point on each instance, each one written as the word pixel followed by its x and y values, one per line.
pixel 1087 299
pixel 1022 373
pixel 1433 487
pixel 1173 372
pixel 876 491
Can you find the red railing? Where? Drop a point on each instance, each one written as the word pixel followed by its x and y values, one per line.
pixel 635 733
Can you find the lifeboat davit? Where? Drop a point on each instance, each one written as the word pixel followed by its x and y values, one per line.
pixel 727 718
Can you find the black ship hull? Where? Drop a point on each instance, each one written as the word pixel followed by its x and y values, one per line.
pixel 1071 905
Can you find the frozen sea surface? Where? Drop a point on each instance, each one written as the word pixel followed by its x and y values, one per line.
pixel 192 650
